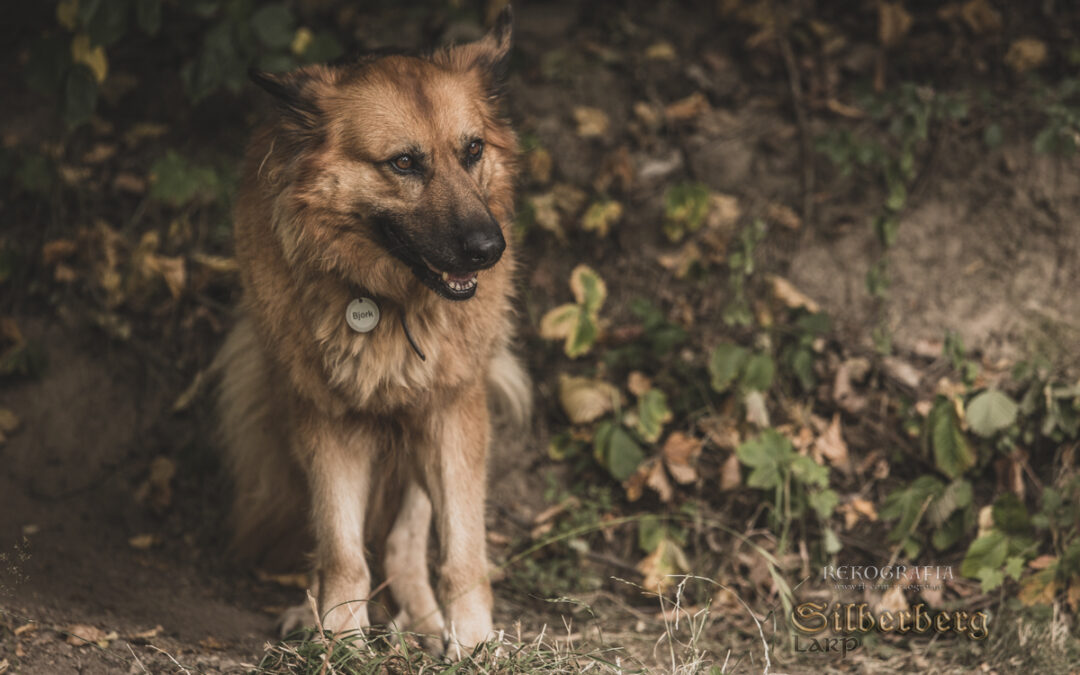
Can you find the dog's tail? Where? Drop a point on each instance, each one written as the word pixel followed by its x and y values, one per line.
pixel 269 511
pixel 510 387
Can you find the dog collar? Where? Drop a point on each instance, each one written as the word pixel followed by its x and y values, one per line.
pixel 362 314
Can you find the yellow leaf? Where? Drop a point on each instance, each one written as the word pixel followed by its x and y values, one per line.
pixel 547 215
pixel 67 13
pixel 143 541
pixel 92 57
pixel 893 23
pixel 1025 54
pixel 601 216
pixel 785 292
pixel 980 16
pixel 591 122
pixel 660 51
pixel 559 322
pixel 584 399
pixel 659 566
pixel 301 41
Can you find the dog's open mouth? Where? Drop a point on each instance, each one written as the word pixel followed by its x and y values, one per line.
pixel 451 285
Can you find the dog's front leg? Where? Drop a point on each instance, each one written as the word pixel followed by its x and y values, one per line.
pixel 454 475
pixel 339 474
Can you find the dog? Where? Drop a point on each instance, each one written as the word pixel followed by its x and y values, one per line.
pixel 372 236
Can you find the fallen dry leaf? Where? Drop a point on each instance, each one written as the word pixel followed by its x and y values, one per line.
pixel 186 397
pixel 656 479
pixel 756 411
pixel 783 215
pixel 980 16
pixel 299 580
pixel 893 23
pixel 638 382
pixel 721 431
pixel 693 106
pixel 156 490
pixel 547 215
pixel 730 473
pixel 784 291
pixel 1026 54
pixel 539 164
pixel 657 567
pixel 58 249
pixel 99 153
pixel 902 372
pixel 584 399
pixel 680 454
pixel 9 421
pixel 212 643
pixel 129 182
pixel 892 600
pixel 591 122
pixel 143 542
pixel 216 263
pixel 146 634
pixel 81 635
pixel 850 371
pixel 855 510
pixel 682 260
pixel 831 447
pixel 660 51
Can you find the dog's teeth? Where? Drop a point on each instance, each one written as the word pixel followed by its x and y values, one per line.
pixel 445 276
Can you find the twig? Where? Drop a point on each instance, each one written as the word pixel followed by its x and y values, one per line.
pixel 806 158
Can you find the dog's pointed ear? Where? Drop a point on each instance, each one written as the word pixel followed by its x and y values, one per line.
pixel 490 54
pixel 294 95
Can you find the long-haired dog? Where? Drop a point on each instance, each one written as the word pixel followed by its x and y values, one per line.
pixel 372 234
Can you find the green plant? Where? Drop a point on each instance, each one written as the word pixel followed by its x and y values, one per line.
pixel 799 485
pixel 578 322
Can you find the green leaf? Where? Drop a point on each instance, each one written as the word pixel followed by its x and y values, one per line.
pixel 623 455
pixel 948 533
pixel 993 136
pixel 273 25
pixel 324 47
pixel 904 504
pixel 724 365
pixel 990 412
pixel 602 441
pixel 802 364
pixel 766 454
pixel 653 414
pixel 176 181
pixel 759 372
pixel 824 502
pixel 148 15
pixel 685 208
pixel 106 21
pixel 952 453
pixel 80 96
pixel 830 541
pixel 1010 515
pixel 1014 567
pixel 991 578
pixel 588 288
pixel 957 495
pixel 563 447
pixel 650 531
pixel 583 337
pixel 47 61
pixel 809 472
pixel 986 552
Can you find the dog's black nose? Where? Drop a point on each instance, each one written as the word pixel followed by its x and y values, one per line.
pixel 482 249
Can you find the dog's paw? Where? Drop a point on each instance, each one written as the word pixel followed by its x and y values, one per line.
pixel 461 638
pixel 429 632
pixel 296 618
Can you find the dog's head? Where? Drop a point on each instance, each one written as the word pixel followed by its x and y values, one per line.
pixel 399 154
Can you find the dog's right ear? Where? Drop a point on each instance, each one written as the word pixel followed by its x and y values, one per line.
pixel 294 94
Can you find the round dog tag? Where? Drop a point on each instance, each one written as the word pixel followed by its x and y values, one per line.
pixel 362 315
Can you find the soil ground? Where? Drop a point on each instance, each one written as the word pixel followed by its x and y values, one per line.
pixel 990 248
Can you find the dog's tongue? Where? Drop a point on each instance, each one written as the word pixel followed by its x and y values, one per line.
pixel 461 277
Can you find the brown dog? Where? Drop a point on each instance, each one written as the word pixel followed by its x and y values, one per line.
pixel 386 181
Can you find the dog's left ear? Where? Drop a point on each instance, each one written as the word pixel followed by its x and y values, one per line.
pixel 490 54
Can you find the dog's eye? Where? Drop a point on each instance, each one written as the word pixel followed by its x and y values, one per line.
pixel 403 163
pixel 474 150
